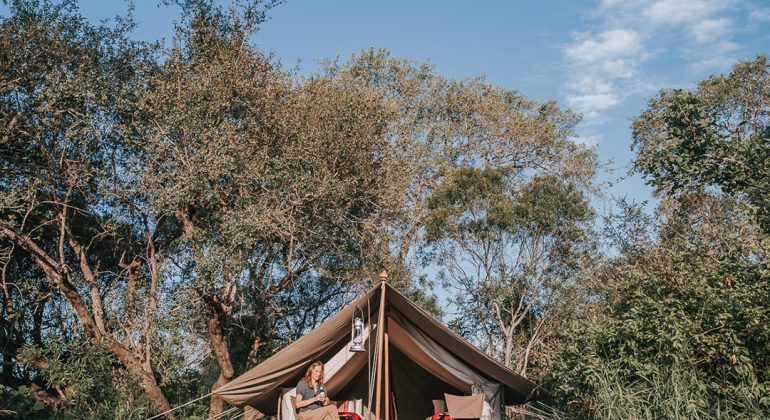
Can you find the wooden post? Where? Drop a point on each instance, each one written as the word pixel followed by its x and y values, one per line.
pixel 280 406
pixel 380 345
pixel 387 377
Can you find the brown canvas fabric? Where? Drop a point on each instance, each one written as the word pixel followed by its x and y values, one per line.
pixel 464 407
pixel 518 389
pixel 402 341
pixel 259 387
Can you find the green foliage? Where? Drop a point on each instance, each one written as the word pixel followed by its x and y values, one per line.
pixel 687 309
pixel 671 393
pixel 511 246
pixel 440 127
pixel 20 403
pixel 88 381
pixel 173 214
pixel 717 136
pixel 676 324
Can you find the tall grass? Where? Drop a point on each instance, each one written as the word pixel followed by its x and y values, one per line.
pixel 670 394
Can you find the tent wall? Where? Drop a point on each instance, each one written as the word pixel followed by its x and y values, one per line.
pixel 456 368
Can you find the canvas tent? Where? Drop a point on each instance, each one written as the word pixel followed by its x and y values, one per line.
pixel 413 359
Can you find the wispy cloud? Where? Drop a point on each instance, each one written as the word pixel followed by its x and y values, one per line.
pixel 760 14
pixel 682 11
pixel 710 30
pixel 607 45
pixel 598 62
pixel 605 66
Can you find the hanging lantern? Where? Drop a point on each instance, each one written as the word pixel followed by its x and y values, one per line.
pixel 357 333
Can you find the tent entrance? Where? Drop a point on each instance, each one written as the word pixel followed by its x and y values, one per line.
pixel 414 388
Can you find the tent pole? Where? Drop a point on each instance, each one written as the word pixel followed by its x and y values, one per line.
pixel 386 372
pixel 369 361
pixel 380 344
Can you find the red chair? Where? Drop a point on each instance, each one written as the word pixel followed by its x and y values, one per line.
pixel 343 409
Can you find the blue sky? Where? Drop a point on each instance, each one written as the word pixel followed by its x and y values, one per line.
pixel 602 58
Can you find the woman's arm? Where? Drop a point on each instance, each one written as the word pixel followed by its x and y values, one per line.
pixel 299 402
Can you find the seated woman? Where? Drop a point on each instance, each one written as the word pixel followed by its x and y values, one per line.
pixel 312 401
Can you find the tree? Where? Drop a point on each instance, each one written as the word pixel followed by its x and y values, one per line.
pixel 675 323
pixel 274 181
pixel 441 125
pixel 69 204
pixel 716 137
pixel 510 249
pixel 679 316
pixel 174 213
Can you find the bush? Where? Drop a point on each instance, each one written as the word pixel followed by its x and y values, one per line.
pixel 679 326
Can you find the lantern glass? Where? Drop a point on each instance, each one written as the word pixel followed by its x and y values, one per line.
pixel 357 335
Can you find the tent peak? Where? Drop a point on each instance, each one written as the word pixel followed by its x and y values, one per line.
pixel 384 276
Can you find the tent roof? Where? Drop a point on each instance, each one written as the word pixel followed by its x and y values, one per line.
pixel 260 386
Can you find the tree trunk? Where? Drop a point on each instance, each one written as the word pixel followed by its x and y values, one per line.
pixel 508 355
pixel 251 360
pixel 221 350
pixel 148 382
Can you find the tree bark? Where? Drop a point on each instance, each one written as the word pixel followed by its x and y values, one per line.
pixel 221 350
pixel 147 379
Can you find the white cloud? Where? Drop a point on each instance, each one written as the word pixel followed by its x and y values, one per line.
pixel 761 15
pixel 712 64
pixel 709 30
pixel 725 47
pixel 607 45
pixel 683 11
pixel 598 61
pixel 593 101
pixel 591 83
pixel 610 3
pixel 619 67
pixel 605 66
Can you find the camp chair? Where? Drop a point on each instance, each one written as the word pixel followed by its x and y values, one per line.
pixel 286 409
pixel 465 407
pixel 347 410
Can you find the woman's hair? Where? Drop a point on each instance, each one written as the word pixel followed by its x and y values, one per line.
pixel 309 373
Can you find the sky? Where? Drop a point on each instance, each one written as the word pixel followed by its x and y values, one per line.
pixel 603 59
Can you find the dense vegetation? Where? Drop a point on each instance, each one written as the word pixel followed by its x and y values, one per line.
pixel 172 214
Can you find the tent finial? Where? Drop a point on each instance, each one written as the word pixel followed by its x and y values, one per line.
pixel 384 276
